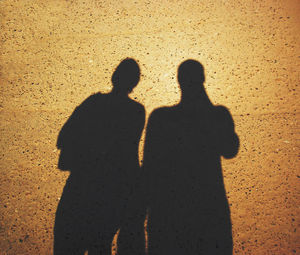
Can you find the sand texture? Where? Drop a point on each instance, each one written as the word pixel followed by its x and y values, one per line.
pixel 56 53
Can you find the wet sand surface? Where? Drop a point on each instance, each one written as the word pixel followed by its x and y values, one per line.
pixel 54 54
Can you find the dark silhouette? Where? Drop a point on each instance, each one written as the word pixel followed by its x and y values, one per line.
pixel 188 208
pixel 99 146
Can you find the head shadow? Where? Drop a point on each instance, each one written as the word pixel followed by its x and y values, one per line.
pixel 126 76
pixel 190 72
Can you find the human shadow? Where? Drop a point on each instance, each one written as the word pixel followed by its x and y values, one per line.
pixel 188 208
pixel 99 146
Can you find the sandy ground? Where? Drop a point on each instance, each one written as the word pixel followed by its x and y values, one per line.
pixel 56 53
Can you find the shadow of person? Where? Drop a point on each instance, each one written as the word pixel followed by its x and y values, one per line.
pixel 188 208
pixel 99 146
